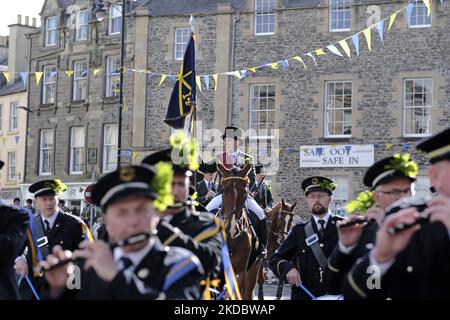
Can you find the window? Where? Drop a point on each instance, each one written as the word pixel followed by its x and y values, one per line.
pixel 50 31
pixel 112 76
pixel 109 147
pixel 80 80
pixel 46 152
pixel 115 19
pixel 262 108
pixel 1 117
pixel 181 40
pixel 11 166
pixel 264 17
pixel 13 117
pixel 81 29
pixel 340 15
pixel 338 109
pixel 77 150
pixel 419 15
pixel 417 103
pixel 49 86
pixel 340 196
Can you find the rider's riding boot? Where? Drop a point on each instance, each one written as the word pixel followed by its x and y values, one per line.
pixel 261 252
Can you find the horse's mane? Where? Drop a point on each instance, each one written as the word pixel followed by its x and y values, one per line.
pixel 274 209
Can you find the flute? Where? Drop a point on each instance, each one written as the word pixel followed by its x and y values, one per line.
pixel 359 219
pixel 410 202
pixel 121 243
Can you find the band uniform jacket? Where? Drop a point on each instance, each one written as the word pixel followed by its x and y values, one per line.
pixel 67 231
pixel 13 228
pixel 420 271
pixel 294 253
pixel 264 196
pixel 163 273
pixel 198 232
pixel 202 190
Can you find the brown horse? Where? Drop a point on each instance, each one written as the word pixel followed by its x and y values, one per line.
pixel 240 237
pixel 280 220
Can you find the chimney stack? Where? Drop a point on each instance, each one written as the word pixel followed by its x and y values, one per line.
pixel 27 20
pixel 19 19
pixel 34 22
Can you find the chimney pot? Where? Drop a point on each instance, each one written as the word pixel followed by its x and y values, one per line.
pixel 33 22
pixel 19 19
pixel 27 20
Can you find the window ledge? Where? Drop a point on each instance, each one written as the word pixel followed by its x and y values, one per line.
pixel 13 132
pixel 110 100
pixel 79 103
pixel 46 106
pixel 336 139
pixel 416 138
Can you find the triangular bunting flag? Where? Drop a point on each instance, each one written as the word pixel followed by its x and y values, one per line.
pixel 391 20
pixel 252 69
pixel 163 77
pixel 96 71
pixel 129 72
pixel 274 65
pixel 298 58
pixel 53 74
pixel 285 63
pixel 244 73
pixel 216 83
pixel 345 47
pixel 237 74
pixel 199 82
pixel 368 34
pixel 69 73
pixel 206 79
pixel 135 154
pixel 173 77
pixel 409 10
pixel 24 76
pixel 355 39
pixel 310 55
pixel 124 70
pixel 380 27
pixel 319 52
pixel 38 75
pixel 333 49
pixel 389 147
pixel 17 139
pixel 7 76
pixel 124 106
pixel 427 4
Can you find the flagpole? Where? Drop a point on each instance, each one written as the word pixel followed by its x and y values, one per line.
pixel 194 112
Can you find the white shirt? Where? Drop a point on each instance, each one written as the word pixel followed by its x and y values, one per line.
pixel 51 220
pixel 135 257
pixel 326 218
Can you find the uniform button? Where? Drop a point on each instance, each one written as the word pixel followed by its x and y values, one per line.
pixel 409 269
pixel 388 298
pixel 369 246
pixel 61 242
pixel 143 273
pixel 303 251
pixel 322 245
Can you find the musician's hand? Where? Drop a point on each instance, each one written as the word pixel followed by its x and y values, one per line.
pixel 388 246
pixel 57 278
pixel 375 213
pixel 439 210
pixel 210 194
pixel 293 277
pixel 349 236
pixel 254 193
pixel 21 266
pixel 98 256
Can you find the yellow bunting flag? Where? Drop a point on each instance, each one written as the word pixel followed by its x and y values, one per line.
pixel 163 77
pixel 69 73
pixel 345 47
pixel 237 74
pixel 135 154
pixel 216 83
pixel 368 35
pixel 124 105
pixel 389 147
pixel 38 75
pixel 274 65
pixel 427 4
pixel 319 52
pixel 96 71
pixel 252 69
pixel 7 76
pixel 391 20
pixel 124 70
pixel 300 60
pixel 199 82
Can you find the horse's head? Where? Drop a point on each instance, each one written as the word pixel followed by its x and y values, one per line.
pixel 285 219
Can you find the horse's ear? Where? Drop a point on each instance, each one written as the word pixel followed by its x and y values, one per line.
pixel 293 206
pixel 283 204
pixel 221 168
pixel 244 172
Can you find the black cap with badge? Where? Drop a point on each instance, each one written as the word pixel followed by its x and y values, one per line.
pixel 437 146
pixel 47 188
pixel 166 156
pixel 318 183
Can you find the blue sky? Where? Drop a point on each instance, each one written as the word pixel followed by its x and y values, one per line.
pixel 11 8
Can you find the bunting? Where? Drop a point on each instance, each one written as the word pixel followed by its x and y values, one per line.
pixel 24 77
pixel 345 47
pixel 38 75
pixel 368 34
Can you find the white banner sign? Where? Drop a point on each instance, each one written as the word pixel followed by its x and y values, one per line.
pixel 336 156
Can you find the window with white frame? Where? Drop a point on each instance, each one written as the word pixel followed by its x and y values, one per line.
pixel 264 17
pixel 112 76
pixel 51 31
pixel 340 196
pixel 77 150
pixel 338 109
pixel 13 116
pixel 115 19
pixel 417 104
pixel 1 117
pixel 46 152
pixel 340 15
pixel 81 25
pixel 80 74
pixel 419 15
pixel 181 40
pixel 110 138
pixel 49 85
pixel 11 166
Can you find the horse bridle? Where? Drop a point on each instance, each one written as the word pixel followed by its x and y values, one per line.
pixel 277 233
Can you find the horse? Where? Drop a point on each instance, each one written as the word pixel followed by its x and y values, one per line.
pixel 240 237
pixel 280 220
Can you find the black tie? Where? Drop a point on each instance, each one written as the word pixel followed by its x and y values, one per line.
pixel 126 262
pixel 47 226
pixel 322 227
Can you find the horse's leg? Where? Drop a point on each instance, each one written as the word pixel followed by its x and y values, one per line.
pixel 280 289
pixel 261 282
pixel 251 277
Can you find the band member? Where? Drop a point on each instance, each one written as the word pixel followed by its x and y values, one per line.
pixel 411 256
pixel 141 269
pixel 208 187
pixel 302 257
pixel 13 228
pixel 53 227
pixel 389 182
pixel 262 193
